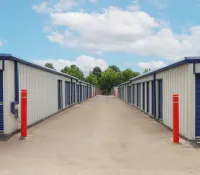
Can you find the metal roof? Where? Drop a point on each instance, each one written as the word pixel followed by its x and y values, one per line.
pixel 12 58
pixel 176 64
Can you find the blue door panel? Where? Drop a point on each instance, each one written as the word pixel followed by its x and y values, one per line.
pixel 139 95
pixel 160 99
pixel 1 102
pixel 143 95
pixel 59 94
pixel 197 107
pixel 152 99
pixel 148 96
pixel 129 95
pixel 81 98
pixel 77 93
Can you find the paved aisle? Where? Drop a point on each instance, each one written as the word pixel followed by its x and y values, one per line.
pixel 98 137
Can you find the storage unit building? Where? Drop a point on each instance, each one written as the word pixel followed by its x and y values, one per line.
pixel 152 93
pixel 49 92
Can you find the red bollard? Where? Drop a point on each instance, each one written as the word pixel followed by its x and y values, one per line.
pixel 176 118
pixel 23 113
pixel 114 93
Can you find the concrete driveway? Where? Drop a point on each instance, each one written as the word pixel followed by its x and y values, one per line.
pixel 102 136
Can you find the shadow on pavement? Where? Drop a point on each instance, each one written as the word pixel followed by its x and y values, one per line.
pixel 4 138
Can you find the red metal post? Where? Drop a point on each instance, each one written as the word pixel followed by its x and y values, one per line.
pixel 23 113
pixel 114 93
pixel 176 118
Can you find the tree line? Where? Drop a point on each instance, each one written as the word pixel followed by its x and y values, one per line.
pixel 105 80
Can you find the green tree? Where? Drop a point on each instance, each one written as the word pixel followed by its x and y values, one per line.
pixel 73 70
pixel 109 78
pixel 128 74
pixel 97 72
pixel 114 68
pixel 146 70
pixel 49 65
pixel 92 79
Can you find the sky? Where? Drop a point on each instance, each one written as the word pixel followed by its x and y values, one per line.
pixel 134 34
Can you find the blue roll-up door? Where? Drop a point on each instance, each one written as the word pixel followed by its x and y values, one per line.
pixel 197 106
pixel 152 97
pixel 1 102
pixel 139 95
pixel 147 96
pixel 83 92
pixel 77 93
pixel 129 94
pixel 81 98
pixel 59 94
pixel 72 93
pixel 143 96
pixel 67 94
pixel 160 99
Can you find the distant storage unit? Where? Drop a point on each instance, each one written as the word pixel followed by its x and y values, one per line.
pixel 49 92
pixel 152 93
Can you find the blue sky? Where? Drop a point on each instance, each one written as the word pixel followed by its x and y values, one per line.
pixel 130 34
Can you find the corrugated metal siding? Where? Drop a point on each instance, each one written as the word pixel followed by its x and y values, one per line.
pixel 42 88
pixel 175 81
pixel 179 80
pixel 73 92
pixel 42 92
pixel 10 123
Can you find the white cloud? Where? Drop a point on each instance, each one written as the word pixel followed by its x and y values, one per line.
pixel 121 30
pixel 51 6
pixel 85 63
pixel 131 31
pixel 151 65
pixel 93 1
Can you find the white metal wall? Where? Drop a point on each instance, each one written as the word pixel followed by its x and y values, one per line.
pixel 42 88
pixel 180 80
pixel 10 123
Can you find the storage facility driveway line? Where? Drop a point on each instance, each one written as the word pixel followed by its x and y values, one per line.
pixel 102 136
